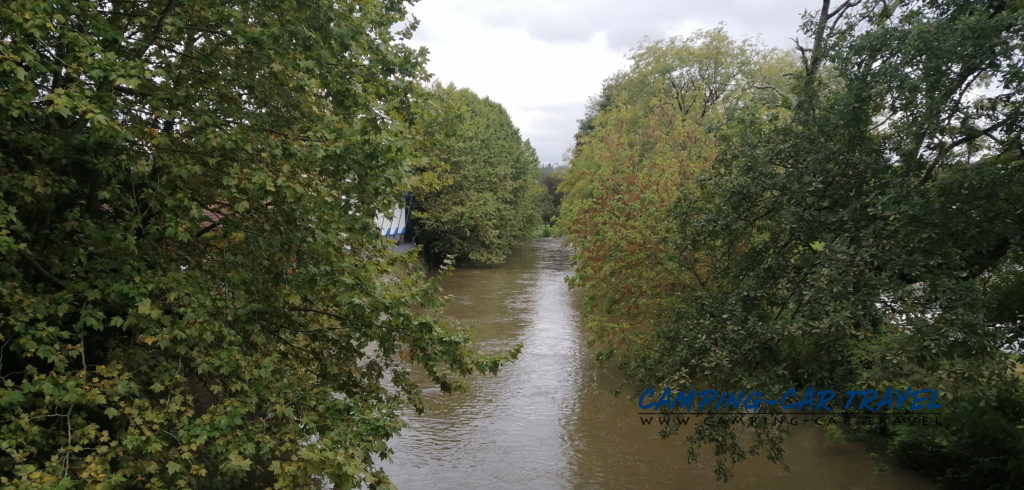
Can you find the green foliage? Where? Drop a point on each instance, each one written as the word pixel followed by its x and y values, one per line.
pixel 488 197
pixel 639 149
pixel 976 443
pixel 192 290
pixel 551 200
pixel 873 238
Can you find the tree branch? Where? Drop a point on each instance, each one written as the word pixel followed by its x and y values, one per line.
pixel 930 171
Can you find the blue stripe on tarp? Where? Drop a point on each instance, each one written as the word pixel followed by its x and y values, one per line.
pixel 396 225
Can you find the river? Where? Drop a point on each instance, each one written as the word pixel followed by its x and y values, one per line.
pixel 550 420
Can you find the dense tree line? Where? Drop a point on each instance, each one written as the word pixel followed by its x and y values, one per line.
pixel 192 289
pixel 860 226
pixel 481 197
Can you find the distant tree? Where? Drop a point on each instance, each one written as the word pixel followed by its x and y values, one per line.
pixel 487 199
pixel 192 290
pixel 551 200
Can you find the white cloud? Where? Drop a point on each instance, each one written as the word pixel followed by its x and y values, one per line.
pixel 542 59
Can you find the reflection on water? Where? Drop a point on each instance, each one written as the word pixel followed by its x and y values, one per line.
pixel 550 420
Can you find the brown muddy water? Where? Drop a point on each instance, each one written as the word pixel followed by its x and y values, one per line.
pixel 550 420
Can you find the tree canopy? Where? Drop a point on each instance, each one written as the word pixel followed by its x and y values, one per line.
pixel 487 201
pixel 643 142
pixel 862 229
pixel 192 290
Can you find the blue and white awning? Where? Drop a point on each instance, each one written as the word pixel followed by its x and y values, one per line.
pixel 393 226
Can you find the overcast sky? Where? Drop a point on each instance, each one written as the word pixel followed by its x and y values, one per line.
pixel 542 59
